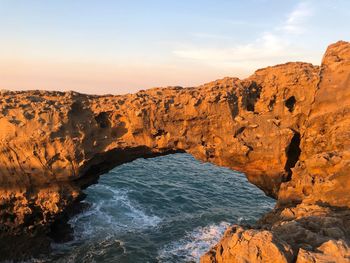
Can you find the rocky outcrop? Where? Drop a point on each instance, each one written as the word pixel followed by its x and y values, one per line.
pixel 286 127
pixel 301 233
pixel 311 222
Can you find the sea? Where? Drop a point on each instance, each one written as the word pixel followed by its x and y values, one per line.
pixel 166 209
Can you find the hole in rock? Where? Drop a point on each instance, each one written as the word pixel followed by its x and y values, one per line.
pixel 103 120
pixel 293 152
pixel 250 96
pixel 290 103
pixel 171 208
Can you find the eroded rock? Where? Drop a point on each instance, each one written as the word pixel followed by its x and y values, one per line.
pixel 312 214
pixel 286 127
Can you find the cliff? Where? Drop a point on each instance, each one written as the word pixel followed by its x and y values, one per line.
pixel 286 127
pixel 311 222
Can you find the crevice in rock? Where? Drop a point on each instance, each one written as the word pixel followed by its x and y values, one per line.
pixel 233 104
pixel 251 96
pixel 239 131
pixel 160 132
pixel 290 103
pixel 272 103
pixel 102 120
pixel 293 152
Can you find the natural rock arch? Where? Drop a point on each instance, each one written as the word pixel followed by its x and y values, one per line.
pixel 54 143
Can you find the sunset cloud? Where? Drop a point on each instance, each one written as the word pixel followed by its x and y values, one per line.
pixel 274 46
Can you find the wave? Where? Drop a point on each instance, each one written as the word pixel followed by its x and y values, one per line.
pixel 111 211
pixel 193 245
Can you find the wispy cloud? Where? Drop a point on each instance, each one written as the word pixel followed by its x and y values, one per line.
pixel 268 45
pixel 297 18
pixel 273 46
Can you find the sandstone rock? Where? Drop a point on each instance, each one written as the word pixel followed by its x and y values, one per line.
pixel 239 245
pixel 303 233
pixel 326 136
pixel 330 251
pixel 286 127
pixel 317 230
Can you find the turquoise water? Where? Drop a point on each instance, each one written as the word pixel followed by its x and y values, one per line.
pixel 165 209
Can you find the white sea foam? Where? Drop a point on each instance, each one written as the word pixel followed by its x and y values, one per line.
pixel 193 245
pixel 113 212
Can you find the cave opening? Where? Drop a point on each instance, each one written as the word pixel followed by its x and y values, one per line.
pixel 293 152
pixel 161 208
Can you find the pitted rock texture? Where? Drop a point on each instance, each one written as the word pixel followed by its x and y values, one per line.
pixel 322 172
pixel 312 214
pixel 304 233
pixel 286 127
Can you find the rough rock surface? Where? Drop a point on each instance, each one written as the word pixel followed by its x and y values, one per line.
pixel 286 127
pixel 312 214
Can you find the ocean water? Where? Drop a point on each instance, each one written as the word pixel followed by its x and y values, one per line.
pixel 166 209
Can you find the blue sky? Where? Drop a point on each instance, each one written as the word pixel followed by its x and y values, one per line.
pixel 100 46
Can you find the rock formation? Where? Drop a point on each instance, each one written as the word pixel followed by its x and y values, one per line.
pixel 311 222
pixel 286 127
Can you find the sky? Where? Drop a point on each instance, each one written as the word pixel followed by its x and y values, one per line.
pixel 118 47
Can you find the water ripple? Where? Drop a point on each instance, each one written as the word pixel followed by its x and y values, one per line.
pixel 165 209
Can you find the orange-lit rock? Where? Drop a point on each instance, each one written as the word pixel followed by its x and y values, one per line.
pixel 312 214
pixel 286 127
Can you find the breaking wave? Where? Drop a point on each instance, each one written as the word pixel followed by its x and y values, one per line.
pixel 194 244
